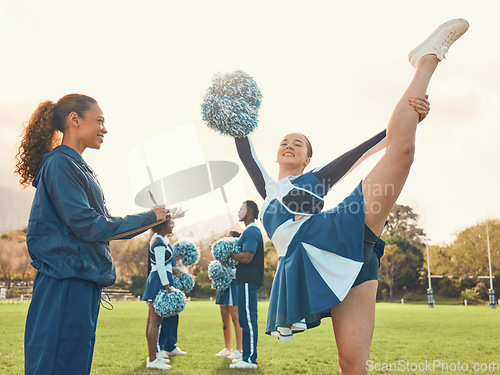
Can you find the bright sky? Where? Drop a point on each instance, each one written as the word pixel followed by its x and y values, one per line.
pixel 330 69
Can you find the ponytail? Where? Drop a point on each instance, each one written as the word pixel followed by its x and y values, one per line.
pixel 39 137
pixel 43 133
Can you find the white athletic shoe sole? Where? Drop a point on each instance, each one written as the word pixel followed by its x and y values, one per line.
pixel 157 364
pixel 439 41
pixel 243 364
pixel 175 352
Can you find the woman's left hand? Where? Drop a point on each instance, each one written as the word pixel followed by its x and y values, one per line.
pixel 421 105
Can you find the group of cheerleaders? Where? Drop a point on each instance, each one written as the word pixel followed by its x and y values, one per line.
pixel 328 260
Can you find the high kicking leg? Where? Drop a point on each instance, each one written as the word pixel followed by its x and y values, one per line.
pixel 384 183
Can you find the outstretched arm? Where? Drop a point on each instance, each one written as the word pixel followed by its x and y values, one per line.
pixel 256 171
pixel 334 171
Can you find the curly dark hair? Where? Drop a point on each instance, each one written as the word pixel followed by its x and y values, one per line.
pixel 43 132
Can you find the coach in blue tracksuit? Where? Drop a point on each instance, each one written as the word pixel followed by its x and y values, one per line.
pixel 249 275
pixel 67 231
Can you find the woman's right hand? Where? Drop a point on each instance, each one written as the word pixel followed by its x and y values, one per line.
pixel 421 106
pixel 161 212
pixel 167 288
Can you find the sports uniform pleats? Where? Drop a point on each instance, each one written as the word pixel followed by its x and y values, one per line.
pixel 319 265
pixel 231 303
pixel 333 269
pixel 229 296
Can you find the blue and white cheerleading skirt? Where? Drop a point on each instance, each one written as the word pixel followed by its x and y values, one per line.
pixel 153 285
pixel 228 297
pixel 324 258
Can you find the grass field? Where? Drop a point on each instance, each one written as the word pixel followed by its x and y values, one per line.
pixel 406 336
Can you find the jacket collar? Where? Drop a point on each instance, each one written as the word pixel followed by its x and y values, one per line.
pixel 68 151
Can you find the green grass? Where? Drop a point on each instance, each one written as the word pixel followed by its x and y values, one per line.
pixel 403 333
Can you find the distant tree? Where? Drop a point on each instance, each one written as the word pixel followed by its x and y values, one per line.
pixel 470 294
pixel 270 264
pixel 401 264
pixel 391 265
pixel 467 255
pixel 14 257
pixel 403 221
pixel 131 260
pixel 470 249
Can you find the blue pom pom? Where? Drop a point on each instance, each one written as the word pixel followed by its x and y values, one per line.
pixel 169 304
pixel 189 252
pixel 221 276
pixel 231 104
pixel 222 283
pixel 216 270
pixel 185 283
pixel 221 249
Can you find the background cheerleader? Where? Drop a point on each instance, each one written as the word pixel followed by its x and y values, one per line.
pixel 227 299
pixel 167 339
pixel 160 277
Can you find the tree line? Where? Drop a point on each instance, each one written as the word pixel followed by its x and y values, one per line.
pixel 403 268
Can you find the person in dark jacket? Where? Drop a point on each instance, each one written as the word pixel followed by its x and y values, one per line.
pixel 67 234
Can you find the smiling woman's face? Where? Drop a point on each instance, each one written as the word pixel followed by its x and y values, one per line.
pixel 90 128
pixel 293 151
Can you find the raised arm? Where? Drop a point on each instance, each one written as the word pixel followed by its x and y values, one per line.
pixel 256 171
pixel 331 173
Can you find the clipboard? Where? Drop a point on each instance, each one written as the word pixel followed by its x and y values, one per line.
pixel 174 212
pixel 134 231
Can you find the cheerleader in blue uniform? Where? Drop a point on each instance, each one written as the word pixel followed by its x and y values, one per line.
pixel 167 339
pixel 228 302
pixel 326 257
pixel 160 256
pixel 67 232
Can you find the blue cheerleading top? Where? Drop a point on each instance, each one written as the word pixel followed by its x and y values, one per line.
pixel 69 221
pixel 161 257
pixel 320 254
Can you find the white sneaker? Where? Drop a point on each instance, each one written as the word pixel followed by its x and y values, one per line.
pixel 237 360
pixel 157 364
pixel 162 354
pixel 235 355
pixel 439 41
pixel 224 353
pixel 243 364
pixel 164 360
pixel 176 351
